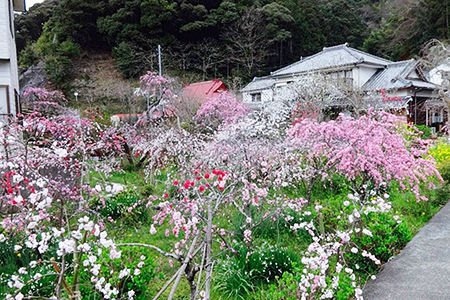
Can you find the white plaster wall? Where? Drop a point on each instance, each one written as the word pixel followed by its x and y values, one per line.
pixel 414 74
pixel 5 33
pixel 246 98
pixel 8 59
pixel 362 74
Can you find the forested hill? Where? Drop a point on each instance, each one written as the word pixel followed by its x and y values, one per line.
pixel 221 38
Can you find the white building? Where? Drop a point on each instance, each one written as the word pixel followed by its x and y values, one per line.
pixel 9 78
pixel 360 70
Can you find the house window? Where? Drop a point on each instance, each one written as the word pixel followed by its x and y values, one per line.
pixel 256 97
pixel 438 116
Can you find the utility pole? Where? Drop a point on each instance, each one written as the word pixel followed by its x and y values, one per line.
pixel 159 59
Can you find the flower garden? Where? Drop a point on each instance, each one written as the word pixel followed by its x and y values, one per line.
pixel 247 205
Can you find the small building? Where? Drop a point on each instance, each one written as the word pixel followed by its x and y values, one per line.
pixel 355 69
pixel 9 78
pixel 203 91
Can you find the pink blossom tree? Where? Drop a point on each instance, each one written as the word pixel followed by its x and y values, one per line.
pixel 368 151
pixel 42 100
pixel 223 109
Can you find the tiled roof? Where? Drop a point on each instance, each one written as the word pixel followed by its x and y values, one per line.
pixel 395 76
pixel 259 83
pixel 331 57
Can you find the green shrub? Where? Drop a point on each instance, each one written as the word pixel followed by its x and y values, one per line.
pixel 126 206
pixel 11 261
pixel 139 284
pixel 237 277
pixel 129 60
pixel 389 237
pixel 58 69
pixel 444 170
pixel 29 56
pixel 425 131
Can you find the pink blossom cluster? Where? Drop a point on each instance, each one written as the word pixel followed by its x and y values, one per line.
pixel 44 96
pixel 223 109
pixel 369 148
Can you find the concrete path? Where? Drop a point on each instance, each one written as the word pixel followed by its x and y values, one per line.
pixel 422 269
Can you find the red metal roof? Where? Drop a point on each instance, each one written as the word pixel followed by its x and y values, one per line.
pixel 204 90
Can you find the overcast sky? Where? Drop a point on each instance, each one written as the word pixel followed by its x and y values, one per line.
pixel 30 3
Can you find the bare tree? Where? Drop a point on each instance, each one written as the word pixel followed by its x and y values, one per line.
pixel 208 55
pixel 247 40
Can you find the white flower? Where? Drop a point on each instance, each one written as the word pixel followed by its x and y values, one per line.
pixel 152 229
pixel 61 152
pixel 354 250
pixel 17 247
pixel 98 188
pixel 18 284
pixel 367 232
pixel 77 235
pixel 37 276
pixel 2 238
pixel 95 269
pixel 142 257
pixel 23 271
pixel 19 296
pixel 137 272
pixel 346 203
pixel 115 254
pixel 124 272
pixel 247 235
pixel 31 225
pixel 92 258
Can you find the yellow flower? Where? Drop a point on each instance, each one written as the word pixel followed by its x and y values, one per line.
pixel 18 254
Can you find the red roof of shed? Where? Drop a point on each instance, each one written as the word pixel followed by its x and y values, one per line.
pixel 204 90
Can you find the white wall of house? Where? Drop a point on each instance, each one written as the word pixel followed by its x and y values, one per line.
pixel 9 78
pixel 259 96
pixel 362 74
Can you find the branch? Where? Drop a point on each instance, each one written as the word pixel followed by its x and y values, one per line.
pixel 183 267
pixel 162 252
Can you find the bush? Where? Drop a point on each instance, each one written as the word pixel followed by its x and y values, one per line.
pixel 441 152
pixel 389 237
pixel 425 131
pixel 58 69
pixel 126 206
pixel 239 276
pixel 129 61
pixel 139 284
pixel 29 56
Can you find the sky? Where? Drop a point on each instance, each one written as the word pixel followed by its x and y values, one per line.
pixel 30 3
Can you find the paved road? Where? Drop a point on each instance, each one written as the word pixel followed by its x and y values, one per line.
pixel 422 269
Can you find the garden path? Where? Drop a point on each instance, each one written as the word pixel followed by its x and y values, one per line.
pixel 422 269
